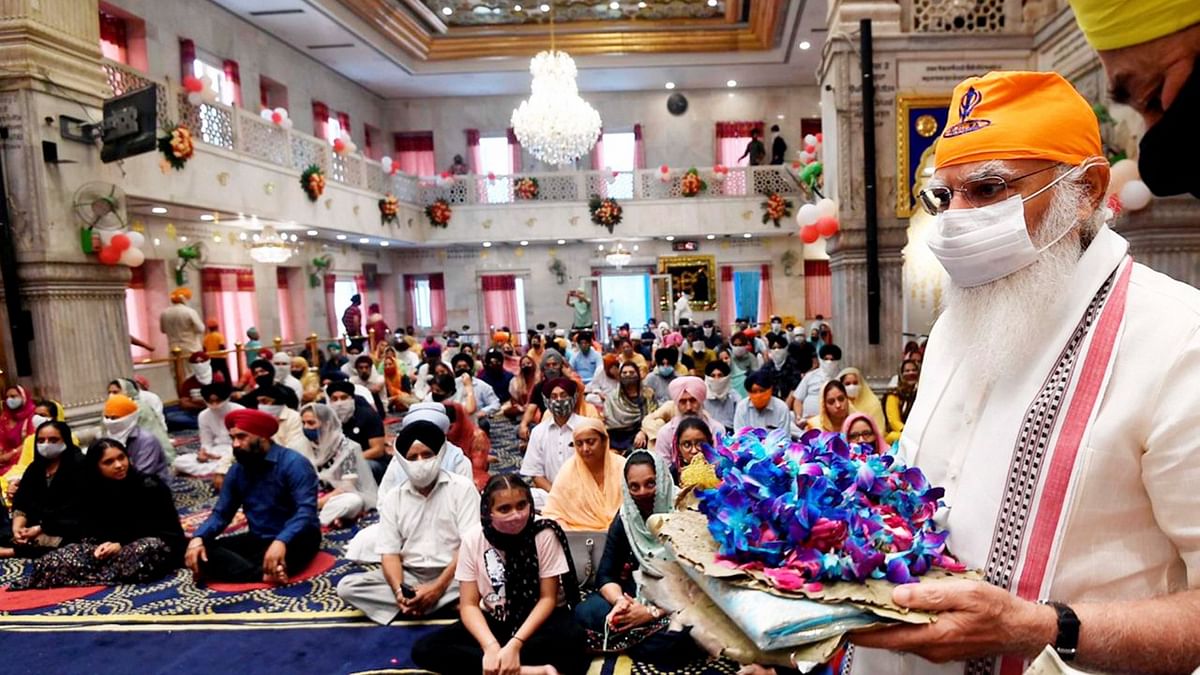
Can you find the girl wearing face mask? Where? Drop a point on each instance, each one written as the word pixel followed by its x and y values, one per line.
pixel 626 408
pixel 899 403
pixel 346 487
pixel 50 504
pixel 130 535
pixel 43 411
pixel 618 604
pixel 16 423
pixel 861 396
pixel 521 387
pixel 509 574
pixel 742 361
pixel 835 408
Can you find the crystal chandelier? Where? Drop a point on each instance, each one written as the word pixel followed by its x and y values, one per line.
pixel 554 123
pixel 270 247
pixel 618 256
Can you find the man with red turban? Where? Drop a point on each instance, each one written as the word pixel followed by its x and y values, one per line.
pixel 1067 450
pixel 276 488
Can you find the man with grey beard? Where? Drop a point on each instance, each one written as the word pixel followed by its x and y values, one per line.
pixel 1067 448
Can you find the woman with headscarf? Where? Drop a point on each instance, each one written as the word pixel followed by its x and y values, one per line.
pixel 860 429
pixel 587 490
pixel 520 389
pixel 131 532
pixel 473 441
pixel 899 403
pixel 346 489
pixel 512 616
pixel 310 384
pixel 50 503
pixel 627 407
pixel 861 396
pixel 687 394
pixel 633 556
pixel 835 408
pixel 396 385
pixel 16 423
pixel 147 418
pixel 43 411
pixel 604 382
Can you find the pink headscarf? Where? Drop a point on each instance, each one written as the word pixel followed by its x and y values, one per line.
pixel 689 385
pixel 672 339
pixel 880 446
pixel 15 425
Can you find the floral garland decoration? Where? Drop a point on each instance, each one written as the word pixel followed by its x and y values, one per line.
pixel 691 184
pixel 313 182
pixel 389 209
pixel 439 213
pixel 176 146
pixel 526 188
pixel 605 211
pixel 819 510
pixel 776 208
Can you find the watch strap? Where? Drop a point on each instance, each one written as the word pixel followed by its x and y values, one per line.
pixel 1067 642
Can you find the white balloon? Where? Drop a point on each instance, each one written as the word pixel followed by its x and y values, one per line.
pixel 208 81
pixel 810 139
pixel 1121 173
pixel 827 208
pixel 195 98
pixel 807 215
pixel 287 123
pixel 1135 196
pixel 266 114
pixel 136 239
pixel 386 163
pixel 806 157
pixel 132 257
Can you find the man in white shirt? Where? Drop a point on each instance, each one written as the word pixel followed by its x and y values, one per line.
pixel 486 401
pixel 215 443
pixel 550 442
pixel 421 525
pixel 805 401
pixel 283 374
pixel 761 409
pixel 1069 455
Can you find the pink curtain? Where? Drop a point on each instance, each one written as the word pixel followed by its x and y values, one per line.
pixel 114 42
pixel 344 122
pixel 135 312
pixel 500 301
pixel 725 298
pixel 331 307
pixel 187 57
pixel 233 75
pixel 320 120
pixel 818 288
pixel 732 138
pixel 766 301
pixel 284 299
pixel 437 301
pixel 474 160
pixel 410 305
pixel 598 152
pixel 414 153
pixel 514 146
pixel 227 295
pixel 639 148
pixel 387 300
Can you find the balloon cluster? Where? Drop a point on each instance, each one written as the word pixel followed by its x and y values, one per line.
pixel 445 179
pixel 200 89
pixel 390 167
pixel 120 247
pixel 278 117
pixel 664 173
pixel 808 166
pixel 1126 191
pixel 817 220
pixel 344 144
pixel 719 173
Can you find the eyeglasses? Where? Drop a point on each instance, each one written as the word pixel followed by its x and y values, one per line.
pixel 978 192
pixel 860 436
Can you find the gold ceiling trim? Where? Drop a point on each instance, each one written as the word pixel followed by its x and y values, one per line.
pixel 651 37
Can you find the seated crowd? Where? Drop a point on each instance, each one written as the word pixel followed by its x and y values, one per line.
pixel 609 434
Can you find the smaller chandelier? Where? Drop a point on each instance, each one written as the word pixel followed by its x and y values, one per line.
pixel 618 256
pixel 270 247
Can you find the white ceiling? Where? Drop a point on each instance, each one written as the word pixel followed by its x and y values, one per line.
pixel 379 66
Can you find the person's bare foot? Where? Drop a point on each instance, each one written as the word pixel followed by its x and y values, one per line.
pixel 7 552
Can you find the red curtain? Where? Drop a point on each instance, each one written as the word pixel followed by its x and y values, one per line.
pixel 514 146
pixel 766 301
pixel 234 77
pixel 737 129
pixel 344 122
pixel 725 302
pixel 187 57
pixel 639 148
pixel 414 153
pixel 320 120
pixel 370 133
pixel 500 301
pixel 114 41
pixel 263 98
pixel 474 159
pixel 437 301
pixel 818 288
pixel 284 300
pixel 331 307
pixel 227 295
pixel 410 307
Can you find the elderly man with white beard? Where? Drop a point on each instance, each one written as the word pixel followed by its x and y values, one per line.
pixel 1069 450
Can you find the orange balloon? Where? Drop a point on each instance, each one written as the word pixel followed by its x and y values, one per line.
pixel 809 234
pixel 827 227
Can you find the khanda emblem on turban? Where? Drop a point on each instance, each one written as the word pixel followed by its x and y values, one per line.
pixel 971 99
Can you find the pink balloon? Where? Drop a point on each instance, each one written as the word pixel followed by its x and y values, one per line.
pixel 826 227
pixel 809 234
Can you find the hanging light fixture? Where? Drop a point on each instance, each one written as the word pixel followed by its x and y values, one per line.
pixel 554 123
pixel 270 247
pixel 618 256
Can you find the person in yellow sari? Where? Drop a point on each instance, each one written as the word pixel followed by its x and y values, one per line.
pixel 587 491
pixel 861 396
pixel 310 383
pixel 835 408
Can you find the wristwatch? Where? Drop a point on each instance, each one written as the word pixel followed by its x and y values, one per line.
pixel 1067 642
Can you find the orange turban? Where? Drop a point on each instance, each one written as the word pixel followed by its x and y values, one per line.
pixel 182 294
pixel 610 360
pixel 1018 115
pixel 119 405
pixel 500 337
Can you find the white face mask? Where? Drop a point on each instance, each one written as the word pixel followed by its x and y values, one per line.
pixel 343 409
pixel 282 370
pixel 717 388
pixel 38 421
pixel 740 351
pixel 779 356
pixel 422 472
pixel 203 372
pixel 830 368
pixel 119 429
pixel 698 346
pixel 775 326
pixel 980 245
pixel 51 450
pixel 853 390
pixel 707 331
pixel 14 402
pixel 274 410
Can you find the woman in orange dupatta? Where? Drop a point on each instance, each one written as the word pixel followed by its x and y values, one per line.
pixel 587 491
pixel 469 438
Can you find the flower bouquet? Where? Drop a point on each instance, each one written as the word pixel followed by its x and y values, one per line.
pixel 312 181
pixel 776 208
pixel 389 209
pixel 525 188
pixel 439 213
pixel 690 184
pixel 605 211
pixel 176 146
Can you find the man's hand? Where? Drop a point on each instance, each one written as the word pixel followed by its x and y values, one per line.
pixel 107 550
pixel 203 456
pixel 195 554
pixel 427 596
pixel 974 619
pixel 274 567
pixel 24 535
pixel 523 432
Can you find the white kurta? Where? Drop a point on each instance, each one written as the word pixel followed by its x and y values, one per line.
pixel 1130 529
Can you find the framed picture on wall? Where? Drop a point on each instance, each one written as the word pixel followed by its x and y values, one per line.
pixel 695 274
